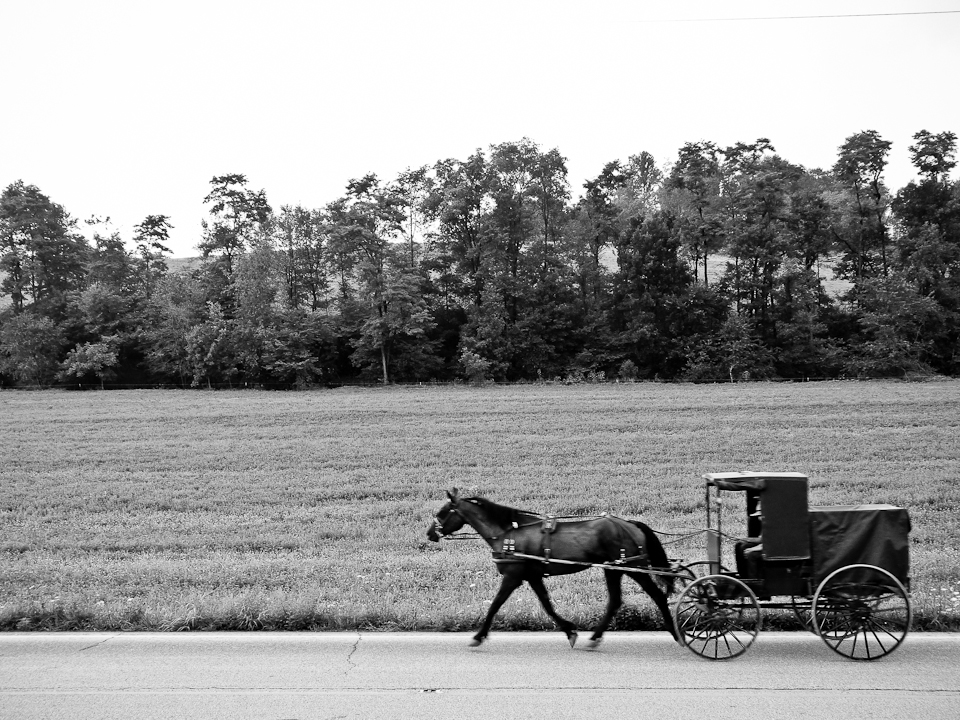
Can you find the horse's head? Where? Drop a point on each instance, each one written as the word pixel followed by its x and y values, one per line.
pixel 447 520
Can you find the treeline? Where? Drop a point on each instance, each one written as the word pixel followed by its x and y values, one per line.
pixel 485 268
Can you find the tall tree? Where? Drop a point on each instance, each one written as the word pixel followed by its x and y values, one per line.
pixel 459 204
pixel 237 214
pixel 391 310
pixel 694 196
pixel 40 254
pixel 859 168
pixel 152 237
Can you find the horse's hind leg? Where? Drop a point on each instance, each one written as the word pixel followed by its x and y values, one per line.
pixel 536 582
pixel 659 597
pixel 511 581
pixel 614 601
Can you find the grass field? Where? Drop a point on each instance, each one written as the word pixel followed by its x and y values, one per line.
pixel 246 510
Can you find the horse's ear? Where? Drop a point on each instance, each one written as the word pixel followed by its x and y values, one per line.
pixel 453 494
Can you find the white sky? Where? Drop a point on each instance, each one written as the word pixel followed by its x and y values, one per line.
pixel 125 109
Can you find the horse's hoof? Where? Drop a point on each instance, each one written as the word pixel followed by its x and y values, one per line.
pixel 572 638
pixel 476 642
pixel 594 643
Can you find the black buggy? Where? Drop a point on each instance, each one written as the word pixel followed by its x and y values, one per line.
pixel 843 570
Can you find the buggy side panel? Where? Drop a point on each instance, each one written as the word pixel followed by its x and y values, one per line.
pixel 852 534
pixel 786 527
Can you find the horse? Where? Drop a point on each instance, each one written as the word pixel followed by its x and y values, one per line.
pixel 549 546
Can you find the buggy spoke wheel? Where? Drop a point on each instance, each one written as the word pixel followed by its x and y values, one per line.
pixel 717 617
pixel 861 612
pixel 803 609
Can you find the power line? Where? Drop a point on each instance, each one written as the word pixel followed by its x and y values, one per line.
pixel 805 17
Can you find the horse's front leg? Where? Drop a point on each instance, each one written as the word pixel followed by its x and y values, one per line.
pixel 536 582
pixel 614 601
pixel 512 579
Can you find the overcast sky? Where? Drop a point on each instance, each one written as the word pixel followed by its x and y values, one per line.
pixel 126 109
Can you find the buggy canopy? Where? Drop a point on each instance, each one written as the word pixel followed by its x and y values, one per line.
pixel 870 534
pixel 747 480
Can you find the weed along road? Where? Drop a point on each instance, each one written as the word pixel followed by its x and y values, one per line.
pixel 283 676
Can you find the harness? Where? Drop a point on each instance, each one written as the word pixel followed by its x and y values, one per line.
pixel 548 526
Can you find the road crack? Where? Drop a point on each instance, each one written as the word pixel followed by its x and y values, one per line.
pixel 350 663
pixel 97 644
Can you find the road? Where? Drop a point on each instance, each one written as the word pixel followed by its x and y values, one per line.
pixel 282 676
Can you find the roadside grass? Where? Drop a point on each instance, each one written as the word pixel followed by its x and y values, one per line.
pixel 186 510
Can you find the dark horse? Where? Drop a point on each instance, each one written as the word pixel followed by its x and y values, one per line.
pixel 606 539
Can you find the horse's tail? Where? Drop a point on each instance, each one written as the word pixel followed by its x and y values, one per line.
pixel 656 553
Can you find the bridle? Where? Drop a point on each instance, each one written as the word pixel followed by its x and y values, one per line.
pixel 439 522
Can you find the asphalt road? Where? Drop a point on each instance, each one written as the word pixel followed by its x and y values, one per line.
pixel 282 676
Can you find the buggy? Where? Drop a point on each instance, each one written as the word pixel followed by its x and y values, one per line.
pixel 843 570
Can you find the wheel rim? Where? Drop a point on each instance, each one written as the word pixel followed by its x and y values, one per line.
pixel 861 612
pixel 717 617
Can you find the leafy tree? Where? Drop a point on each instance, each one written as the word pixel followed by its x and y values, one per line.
pixel 693 195
pixel 459 204
pixel 41 257
pixel 864 234
pixel 237 215
pixel 98 359
pixel 174 309
pixel 302 349
pixel 734 352
pixel 302 237
pixel 894 322
pixel 756 188
pixel 653 284
pixel 30 346
pixel 393 317
pixel 411 189
pixel 211 348
pixel 152 237
pixel 928 241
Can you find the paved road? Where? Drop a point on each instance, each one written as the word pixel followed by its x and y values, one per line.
pixel 277 676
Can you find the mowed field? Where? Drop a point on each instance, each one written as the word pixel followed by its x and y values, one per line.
pixel 172 510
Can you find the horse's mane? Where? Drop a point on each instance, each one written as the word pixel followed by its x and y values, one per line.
pixel 503 514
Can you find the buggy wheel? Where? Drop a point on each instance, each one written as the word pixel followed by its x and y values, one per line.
pixel 803 609
pixel 861 612
pixel 717 617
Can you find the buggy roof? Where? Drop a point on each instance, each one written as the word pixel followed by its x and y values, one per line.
pixel 748 480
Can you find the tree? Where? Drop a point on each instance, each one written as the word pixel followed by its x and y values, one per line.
pixel 894 323
pixel 174 309
pixel 302 238
pixel 693 194
pixel 734 352
pixel 652 287
pixel 237 214
pixel 151 237
pixel 211 348
pixel 392 317
pixel 99 358
pixel 756 206
pixel 41 258
pixel 459 204
pixel 30 346
pixel 927 227
pixel 864 236
pixel 411 188
pixel 933 155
